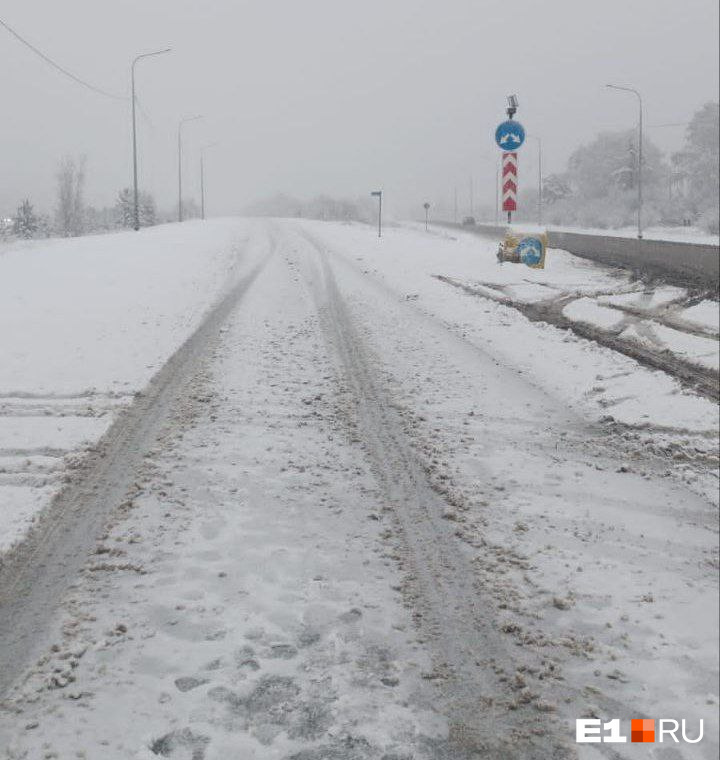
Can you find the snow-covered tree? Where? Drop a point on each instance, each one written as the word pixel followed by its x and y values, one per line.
pixel 70 215
pixel 698 165
pixel 609 163
pixel 125 210
pixel 147 210
pixel 599 188
pixel 26 222
pixel 45 226
pixel 555 188
pixel 100 219
pixel 321 207
pixel 191 209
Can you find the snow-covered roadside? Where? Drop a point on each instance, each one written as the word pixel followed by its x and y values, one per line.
pixel 601 287
pixel 596 382
pixel 84 324
pixel 640 318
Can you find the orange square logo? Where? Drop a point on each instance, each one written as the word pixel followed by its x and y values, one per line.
pixel 642 730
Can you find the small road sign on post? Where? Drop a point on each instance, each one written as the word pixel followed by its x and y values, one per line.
pixel 510 135
pixel 509 183
pixel 378 194
pixel 426 206
pixel 531 251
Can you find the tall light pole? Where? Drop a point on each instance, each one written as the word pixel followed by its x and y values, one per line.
pixel 640 152
pixel 180 126
pixel 202 177
pixel 539 178
pixel 136 209
pixel 426 206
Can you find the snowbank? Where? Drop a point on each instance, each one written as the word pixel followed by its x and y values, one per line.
pixel 85 324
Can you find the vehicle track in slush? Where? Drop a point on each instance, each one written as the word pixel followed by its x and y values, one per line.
pixel 37 573
pixel 450 606
pixel 414 383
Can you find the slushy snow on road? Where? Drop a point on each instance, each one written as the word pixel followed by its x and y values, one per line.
pixel 356 498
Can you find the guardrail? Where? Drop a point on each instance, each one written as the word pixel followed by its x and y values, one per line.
pixel 694 264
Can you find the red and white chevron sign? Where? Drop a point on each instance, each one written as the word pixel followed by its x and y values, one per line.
pixel 509 181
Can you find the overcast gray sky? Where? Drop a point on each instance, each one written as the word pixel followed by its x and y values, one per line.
pixel 336 96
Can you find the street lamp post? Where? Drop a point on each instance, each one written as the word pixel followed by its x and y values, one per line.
pixel 136 209
pixel 202 178
pixel 640 152
pixel 180 126
pixel 426 206
pixel 378 194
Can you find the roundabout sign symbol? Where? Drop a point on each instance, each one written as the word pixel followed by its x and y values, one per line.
pixel 530 251
pixel 510 135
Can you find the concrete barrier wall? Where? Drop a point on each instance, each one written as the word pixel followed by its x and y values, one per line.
pixel 683 263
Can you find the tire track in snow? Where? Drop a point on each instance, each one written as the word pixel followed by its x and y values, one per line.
pixel 695 377
pixel 37 573
pixel 450 607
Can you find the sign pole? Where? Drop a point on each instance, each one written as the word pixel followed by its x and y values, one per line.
pixel 380 215
pixel 509 136
pixel 509 186
pixel 378 194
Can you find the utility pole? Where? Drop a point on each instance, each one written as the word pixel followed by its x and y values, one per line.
pixel 426 206
pixel 378 194
pixel 136 208
pixel 180 126
pixel 640 154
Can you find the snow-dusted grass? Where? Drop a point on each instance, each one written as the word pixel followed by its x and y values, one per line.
pixel 102 313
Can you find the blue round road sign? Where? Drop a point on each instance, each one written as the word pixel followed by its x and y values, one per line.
pixel 510 135
pixel 530 251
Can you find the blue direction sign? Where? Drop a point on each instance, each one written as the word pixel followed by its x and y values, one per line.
pixel 510 135
pixel 530 250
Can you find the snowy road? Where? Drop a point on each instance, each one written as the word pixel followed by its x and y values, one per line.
pixel 343 524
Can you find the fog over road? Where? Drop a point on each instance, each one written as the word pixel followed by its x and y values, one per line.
pixel 344 523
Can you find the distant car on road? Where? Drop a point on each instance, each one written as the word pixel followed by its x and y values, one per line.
pixel 468 221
